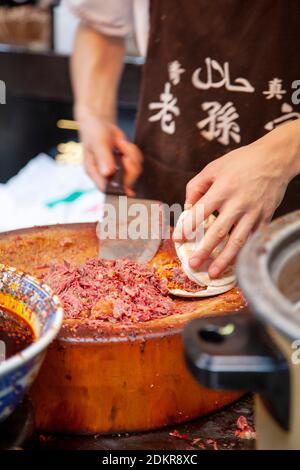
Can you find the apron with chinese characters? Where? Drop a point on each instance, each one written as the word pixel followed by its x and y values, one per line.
pixel 218 75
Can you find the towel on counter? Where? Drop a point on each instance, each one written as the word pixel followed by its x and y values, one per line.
pixel 46 192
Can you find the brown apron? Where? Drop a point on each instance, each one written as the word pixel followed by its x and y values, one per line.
pixel 218 75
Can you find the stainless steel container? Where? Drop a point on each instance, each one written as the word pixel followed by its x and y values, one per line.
pixel 259 350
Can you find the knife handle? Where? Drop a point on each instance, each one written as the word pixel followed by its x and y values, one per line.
pixel 115 183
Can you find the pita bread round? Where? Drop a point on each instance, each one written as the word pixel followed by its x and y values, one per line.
pixel 214 286
pixel 208 292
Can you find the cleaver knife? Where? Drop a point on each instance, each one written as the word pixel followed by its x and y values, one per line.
pixel 131 228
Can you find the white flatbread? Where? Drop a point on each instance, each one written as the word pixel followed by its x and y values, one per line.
pixel 214 286
pixel 208 292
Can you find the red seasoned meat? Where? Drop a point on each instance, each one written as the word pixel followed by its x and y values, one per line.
pixel 176 278
pixel 111 291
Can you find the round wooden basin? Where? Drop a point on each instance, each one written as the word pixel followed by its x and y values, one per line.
pixel 113 378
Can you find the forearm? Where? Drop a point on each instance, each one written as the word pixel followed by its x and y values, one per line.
pixel 96 67
pixel 283 145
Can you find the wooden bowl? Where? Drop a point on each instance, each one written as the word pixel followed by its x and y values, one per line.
pixel 113 378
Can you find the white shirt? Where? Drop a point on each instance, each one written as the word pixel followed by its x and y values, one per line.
pixel 115 17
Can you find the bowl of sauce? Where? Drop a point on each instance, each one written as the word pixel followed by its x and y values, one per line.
pixel 30 319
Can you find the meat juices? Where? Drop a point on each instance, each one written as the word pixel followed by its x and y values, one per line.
pixel 15 334
pixel 111 291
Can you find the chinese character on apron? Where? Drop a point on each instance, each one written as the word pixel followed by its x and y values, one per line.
pixel 218 75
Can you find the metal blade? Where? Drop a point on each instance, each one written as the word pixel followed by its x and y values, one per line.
pixel 131 228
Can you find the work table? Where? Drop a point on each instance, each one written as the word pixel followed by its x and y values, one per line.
pixel 213 432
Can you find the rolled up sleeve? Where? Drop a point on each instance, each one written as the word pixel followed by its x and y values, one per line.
pixel 110 17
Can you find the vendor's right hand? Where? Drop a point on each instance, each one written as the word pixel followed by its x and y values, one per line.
pixel 100 137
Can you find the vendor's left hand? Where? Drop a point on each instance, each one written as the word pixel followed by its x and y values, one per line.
pixel 245 187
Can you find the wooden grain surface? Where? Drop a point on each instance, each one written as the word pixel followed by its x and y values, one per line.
pixel 113 378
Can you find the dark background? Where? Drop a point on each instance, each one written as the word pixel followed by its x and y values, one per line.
pixel 38 94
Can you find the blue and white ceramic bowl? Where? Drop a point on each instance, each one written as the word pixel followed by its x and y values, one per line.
pixel 34 302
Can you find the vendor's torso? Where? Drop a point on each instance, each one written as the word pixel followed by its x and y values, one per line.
pixel 218 75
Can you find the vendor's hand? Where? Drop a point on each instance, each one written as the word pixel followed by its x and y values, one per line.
pixel 100 137
pixel 245 187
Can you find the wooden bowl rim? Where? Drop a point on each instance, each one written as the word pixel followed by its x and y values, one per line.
pixel 85 332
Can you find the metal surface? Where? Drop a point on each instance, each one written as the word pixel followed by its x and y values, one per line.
pixel 141 249
pixel 131 228
pixel 268 272
pixel 235 352
pixel 260 359
pixel 213 432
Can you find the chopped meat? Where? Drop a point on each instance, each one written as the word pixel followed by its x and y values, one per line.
pixel 213 443
pixel 176 278
pixel 242 423
pixel 177 434
pixel 111 291
pixel 244 430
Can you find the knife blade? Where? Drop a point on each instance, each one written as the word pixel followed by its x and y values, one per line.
pixel 131 227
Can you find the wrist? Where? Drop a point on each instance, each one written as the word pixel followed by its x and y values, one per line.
pixel 83 112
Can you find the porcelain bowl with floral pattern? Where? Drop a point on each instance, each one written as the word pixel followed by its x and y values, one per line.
pixel 41 309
